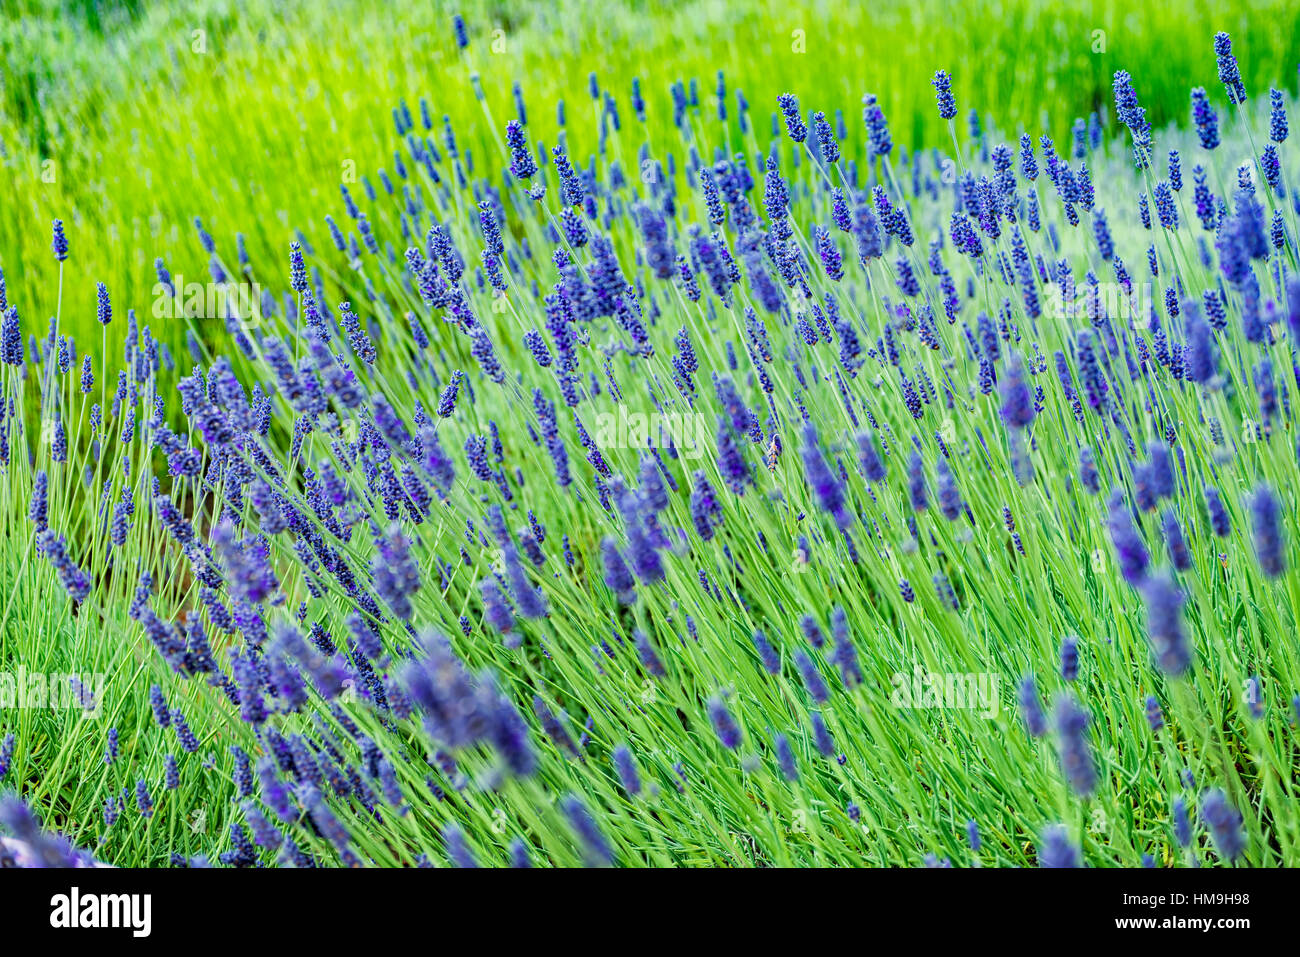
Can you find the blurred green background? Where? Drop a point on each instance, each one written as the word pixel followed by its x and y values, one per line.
pixel 129 119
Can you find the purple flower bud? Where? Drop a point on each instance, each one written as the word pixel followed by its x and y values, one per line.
pixel 1130 551
pixel 942 84
pixel 625 765
pixel 723 724
pixel 1070 658
pixel 1269 545
pixel 1056 850
pixel 1170 645
pixel 1030 709
pixel 596 851
pixel 1076 756
pixel 1224 822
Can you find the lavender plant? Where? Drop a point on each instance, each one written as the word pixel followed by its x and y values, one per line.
pixel 739 496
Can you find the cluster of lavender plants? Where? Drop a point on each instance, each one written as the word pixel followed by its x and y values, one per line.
pixel 1015 408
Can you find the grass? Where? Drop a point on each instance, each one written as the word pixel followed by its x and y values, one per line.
pixel 901 784
pixel 141 134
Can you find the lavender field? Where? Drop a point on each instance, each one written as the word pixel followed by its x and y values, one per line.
pixel 631 469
